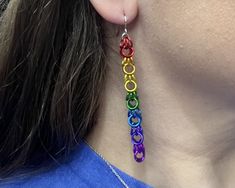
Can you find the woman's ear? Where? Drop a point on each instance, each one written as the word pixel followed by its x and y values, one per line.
pixel 114 10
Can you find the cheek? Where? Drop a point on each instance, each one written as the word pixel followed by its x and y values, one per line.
pixel 197 38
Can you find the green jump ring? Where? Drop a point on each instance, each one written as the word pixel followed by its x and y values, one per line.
pixel 132 97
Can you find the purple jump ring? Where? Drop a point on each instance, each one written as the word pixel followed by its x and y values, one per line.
pixel 137 132
pixel 140 141
pixel 139 152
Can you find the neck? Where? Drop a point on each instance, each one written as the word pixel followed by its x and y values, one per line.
pixel 187 118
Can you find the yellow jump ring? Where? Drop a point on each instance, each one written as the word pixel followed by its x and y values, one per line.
pixel 126 71
pixel 129 89
pixel 127 61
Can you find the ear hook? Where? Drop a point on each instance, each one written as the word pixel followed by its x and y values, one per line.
pixel 125 27
pixel 125 22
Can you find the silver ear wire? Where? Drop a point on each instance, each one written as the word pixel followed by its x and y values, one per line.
pixel 125 26
pixel 125 23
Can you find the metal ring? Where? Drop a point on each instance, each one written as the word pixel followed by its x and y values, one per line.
pixel 133 124
pixel 127 60
pixel 139 149
pixel 134 141
pixel 130 81
pixel 124 34
pixel 128 64
pixel 129 54
pixel 130 106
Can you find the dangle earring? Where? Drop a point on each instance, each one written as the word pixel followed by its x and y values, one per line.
pixel 132 99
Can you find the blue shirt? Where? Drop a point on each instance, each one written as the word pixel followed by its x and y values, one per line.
pixel 86 169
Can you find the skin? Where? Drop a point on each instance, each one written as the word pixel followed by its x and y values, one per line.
pixel 185 67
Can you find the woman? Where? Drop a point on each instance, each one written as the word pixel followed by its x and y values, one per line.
pixel 62 93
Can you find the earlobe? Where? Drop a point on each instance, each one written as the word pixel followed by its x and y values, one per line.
pixel 114 10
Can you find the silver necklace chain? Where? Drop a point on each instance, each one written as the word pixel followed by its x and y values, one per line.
pixel 109 165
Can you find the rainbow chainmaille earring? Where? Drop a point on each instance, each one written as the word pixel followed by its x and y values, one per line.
pixel 132 99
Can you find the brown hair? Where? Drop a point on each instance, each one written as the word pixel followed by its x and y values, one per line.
pixel 51 73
